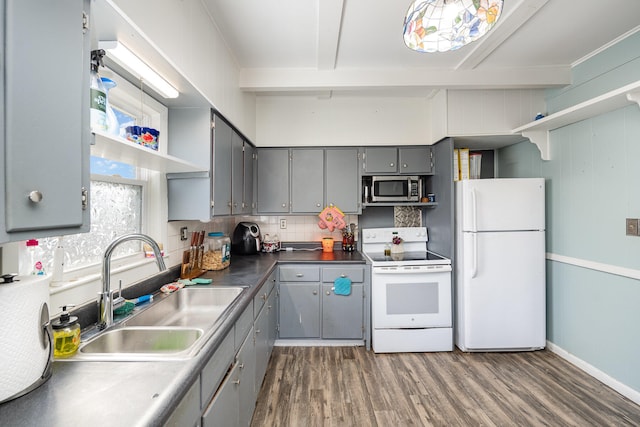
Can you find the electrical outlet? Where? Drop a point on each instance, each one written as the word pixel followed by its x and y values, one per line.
pixel 183 233
pixel 283 224
pixel 632 226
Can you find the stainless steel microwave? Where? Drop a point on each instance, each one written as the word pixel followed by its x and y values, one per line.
pixel 396 189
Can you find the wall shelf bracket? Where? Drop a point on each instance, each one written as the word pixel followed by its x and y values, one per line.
pixel 541 140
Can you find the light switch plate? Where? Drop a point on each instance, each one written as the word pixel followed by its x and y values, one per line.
pixel 632 226
pixel 183 233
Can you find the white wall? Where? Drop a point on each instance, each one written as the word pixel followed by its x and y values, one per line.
pixel 184 32
pixel 341 120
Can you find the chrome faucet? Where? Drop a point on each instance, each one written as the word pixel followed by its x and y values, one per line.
pixel 105 298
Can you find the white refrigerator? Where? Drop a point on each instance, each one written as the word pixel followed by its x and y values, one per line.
pixel 500 265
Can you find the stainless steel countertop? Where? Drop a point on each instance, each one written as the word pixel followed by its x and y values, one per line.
pixel 145 393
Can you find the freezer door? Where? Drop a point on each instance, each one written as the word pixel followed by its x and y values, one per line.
pixel 501 292
pixel 500 204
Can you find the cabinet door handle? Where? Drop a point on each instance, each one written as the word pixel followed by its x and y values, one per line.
pixel 299 274
pixel 317 205
pixel 236 382
pixel 264 297
pixel 315 292
pixel 257 331
pixel 404 165
pixel 269 307
pixel 329 292
pixel 35 196
pixel 284 205
pixel 241 366
pixel 343 275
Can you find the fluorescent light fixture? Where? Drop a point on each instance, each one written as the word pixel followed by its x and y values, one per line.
pixel 133 64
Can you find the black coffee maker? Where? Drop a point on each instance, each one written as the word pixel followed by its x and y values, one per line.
pixel 245 239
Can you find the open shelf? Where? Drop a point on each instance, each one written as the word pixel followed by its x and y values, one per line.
pixel 538 131
pixel 115 148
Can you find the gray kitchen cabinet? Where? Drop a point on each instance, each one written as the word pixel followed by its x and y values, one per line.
pixel 206 139
pixel 403 160
pixel 305 315
pixel 299 305
pixel 342 179
pixel 187 413
pixel 247 378
pixel 45 142
pixel 415 160
pixel 380 160
pixel 224 409
pixel 249 156
pixel 273 180
pixel 318 178
pixel 265 327
pixel 343 315
pixel 223 175
pixel 307 180
pixel 190 195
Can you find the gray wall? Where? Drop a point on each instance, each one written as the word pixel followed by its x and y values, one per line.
pixel 593 184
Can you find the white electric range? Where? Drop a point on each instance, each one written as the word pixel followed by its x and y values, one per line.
pixel 411 303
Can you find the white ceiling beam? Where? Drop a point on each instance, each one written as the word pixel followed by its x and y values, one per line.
pixel 515 14
pixel 268 80
pixel 329 26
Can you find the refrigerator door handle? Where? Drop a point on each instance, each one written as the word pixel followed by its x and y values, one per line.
pixel 474 211
pixel 474 258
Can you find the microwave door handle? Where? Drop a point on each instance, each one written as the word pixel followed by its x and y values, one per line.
pixel 408 189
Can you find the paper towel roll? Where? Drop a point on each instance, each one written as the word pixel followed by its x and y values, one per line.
pixel 24 354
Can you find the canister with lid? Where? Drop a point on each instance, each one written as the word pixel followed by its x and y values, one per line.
pixel 218 252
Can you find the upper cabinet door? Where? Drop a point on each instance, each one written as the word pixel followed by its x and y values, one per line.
pixel 222 149
pixel 341 179
pixel 46 118
pixel 381 160
pixel 307 180
pixel 415 160
pixel 273 180
pixel 237 173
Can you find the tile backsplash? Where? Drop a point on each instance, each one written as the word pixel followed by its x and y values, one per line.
pixel 299 229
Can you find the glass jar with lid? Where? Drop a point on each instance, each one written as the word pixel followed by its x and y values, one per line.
pixel 218 252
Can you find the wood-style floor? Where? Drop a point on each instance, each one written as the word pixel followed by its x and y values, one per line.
pixel 349 386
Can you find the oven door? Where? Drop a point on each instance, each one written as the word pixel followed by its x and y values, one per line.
pixel 411 296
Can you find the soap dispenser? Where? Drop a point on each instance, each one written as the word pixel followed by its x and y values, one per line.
pixel 66 334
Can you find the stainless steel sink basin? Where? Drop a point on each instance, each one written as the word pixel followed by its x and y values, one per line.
pixel 189 307
pixel 143 341
pixel 173 326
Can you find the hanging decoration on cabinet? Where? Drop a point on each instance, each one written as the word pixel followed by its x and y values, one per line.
pixel 331 218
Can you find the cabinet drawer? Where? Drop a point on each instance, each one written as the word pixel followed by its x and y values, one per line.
pixel 214 371
pixel 243 325
pixel 356 274
pixel 299 274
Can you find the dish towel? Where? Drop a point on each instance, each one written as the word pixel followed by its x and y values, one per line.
pixel 342 286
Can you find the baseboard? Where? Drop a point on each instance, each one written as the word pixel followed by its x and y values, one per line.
pixel 621 388
pixel 318 343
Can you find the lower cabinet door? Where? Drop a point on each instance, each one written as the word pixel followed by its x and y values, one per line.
pixel 299 310
pixel 224 409
pixel 342 315
pixel 246 367
pixel 262 350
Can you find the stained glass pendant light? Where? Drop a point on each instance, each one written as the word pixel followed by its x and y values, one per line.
pixel 443 25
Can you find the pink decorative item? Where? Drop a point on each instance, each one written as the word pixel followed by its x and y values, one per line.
pixel 331 218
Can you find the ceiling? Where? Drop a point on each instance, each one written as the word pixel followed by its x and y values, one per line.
pixel 356 46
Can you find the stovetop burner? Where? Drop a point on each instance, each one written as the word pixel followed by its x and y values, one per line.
pixel 408 256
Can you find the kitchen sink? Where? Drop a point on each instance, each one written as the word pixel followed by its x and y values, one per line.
pixel 189 307
pixel 173 326
pixel 143 340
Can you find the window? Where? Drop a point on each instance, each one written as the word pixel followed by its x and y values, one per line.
pixel 118 196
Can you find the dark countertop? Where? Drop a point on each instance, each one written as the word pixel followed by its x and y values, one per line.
pixel 145 393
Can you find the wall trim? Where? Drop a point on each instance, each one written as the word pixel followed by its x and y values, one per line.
pixel 604 378
pixel 598 266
